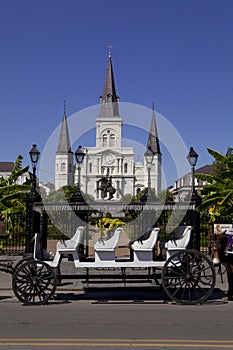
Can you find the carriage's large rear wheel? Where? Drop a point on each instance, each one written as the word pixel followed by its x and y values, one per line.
pixel 34 282
pixel 188 277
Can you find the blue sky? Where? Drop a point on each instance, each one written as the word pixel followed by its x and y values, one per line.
pixel 178 53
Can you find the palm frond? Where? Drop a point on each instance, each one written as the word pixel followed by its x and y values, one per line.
pixel 217 155
pixel 17 170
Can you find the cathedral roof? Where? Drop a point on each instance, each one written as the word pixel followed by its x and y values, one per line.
pixel 64 139
pixel 153 140
pixel 109 99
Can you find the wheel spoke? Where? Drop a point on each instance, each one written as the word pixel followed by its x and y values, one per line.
pixel 34 282
pixel 188 277
pixel 178 289
pixel 196 291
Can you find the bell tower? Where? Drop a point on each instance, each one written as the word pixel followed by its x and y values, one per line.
pixel 64 157
pixel 109 123
pixel 153 146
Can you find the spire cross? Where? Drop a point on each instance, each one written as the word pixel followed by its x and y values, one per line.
pixel 109 50
pixel 64 106
pixel 153 105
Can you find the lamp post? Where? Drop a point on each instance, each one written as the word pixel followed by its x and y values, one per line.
pixel 149 156
pixel 32 217
pixel 148 216
pixel 77 196
pixel 192 159
pixel 194 215
pixel 34 156
pixel 79 156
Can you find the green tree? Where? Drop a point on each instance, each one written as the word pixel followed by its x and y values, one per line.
pixel 165 196
pixel 65 193
pixel 217 195
pixel 13 195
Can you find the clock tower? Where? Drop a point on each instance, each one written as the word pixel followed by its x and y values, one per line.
pixel 109 156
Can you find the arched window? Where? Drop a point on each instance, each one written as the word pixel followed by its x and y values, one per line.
pixel 125 168
pixel 112 140
pixel 105 140
pixel 63 166
pixel 109 98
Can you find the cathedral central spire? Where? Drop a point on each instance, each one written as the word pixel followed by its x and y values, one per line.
pixel 109 99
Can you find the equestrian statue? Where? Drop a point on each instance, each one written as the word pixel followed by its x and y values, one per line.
pixel 105 186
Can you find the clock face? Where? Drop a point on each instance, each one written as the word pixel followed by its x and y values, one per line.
pixel 109 158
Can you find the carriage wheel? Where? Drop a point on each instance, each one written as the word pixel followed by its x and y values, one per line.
pixel 34 282
pixel 22 261
pixel 188 277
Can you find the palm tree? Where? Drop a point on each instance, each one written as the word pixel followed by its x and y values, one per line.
pixel 13 195
pixel 218 193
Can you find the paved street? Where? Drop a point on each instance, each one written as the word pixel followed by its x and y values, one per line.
pixel 119 318
pixel 79 321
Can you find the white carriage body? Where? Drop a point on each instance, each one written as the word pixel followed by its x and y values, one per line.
pixel 105 250
pixel 187 276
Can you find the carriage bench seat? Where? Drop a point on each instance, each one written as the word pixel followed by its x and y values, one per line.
pixel 105 249
pixel 69 246
pixel 180 240
pixel 143 250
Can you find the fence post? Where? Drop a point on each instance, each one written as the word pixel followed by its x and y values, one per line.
pixel 192 218
pixel 78 199
pixel 196 227
pixel 32 221
pixel 44 229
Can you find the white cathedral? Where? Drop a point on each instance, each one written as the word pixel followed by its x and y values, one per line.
pixel 108 156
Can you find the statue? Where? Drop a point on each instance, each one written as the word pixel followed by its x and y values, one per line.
pixel 106 186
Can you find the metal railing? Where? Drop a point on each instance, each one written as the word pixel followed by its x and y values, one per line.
pixel 12 236
pixel 142 216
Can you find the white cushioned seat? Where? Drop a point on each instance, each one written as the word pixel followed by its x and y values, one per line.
pixel 105 249
pixel 143 249
pixel 180 241
pixel 69 246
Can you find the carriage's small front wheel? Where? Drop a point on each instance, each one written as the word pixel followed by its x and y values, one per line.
pixel 188 277
pixel 34 282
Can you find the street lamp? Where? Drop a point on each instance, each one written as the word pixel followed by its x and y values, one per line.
pixel 192 159
pixel 149 156
pixel 79 156
pixel 34 155
pixel 33 220
pixel 195 198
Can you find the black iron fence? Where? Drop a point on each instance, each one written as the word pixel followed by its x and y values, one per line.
pixel 60 220
pixel 12 235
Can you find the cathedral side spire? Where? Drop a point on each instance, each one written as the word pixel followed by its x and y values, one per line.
pixel 64 157
pixel 153 148
pixel 109 99
pixel 153 140
pixel 64 139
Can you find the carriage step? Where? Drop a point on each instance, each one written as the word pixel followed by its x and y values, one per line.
pixel 114 281
pixel 109 277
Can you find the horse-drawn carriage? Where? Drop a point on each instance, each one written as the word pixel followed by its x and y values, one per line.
pixel 186 275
